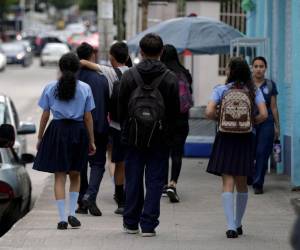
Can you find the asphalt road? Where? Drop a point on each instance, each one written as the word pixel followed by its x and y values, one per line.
pixel 24 86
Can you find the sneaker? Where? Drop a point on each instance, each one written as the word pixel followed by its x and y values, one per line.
pixel 258 191
pixel 62 225
pixel 164 192
pixel 171 192
pixel 150 233
pixel 130 230
pixel 73 221
pixel 92 207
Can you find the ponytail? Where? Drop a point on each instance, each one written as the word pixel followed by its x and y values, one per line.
pixel 66 87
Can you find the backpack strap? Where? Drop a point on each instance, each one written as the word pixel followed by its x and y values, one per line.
pixel 269 85
pixel 140 82
pixel 118 73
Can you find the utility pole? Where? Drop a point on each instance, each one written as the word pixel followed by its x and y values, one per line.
pixel 181 8
pixel 119 18
pixel 145 5
pixel 105 27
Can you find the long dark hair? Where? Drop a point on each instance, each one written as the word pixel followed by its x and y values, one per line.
pixel 66 87
pixel 240 75
pixel 170 58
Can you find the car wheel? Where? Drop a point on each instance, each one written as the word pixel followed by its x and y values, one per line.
pixel 42 64
pixel 2 69
pixel 11 217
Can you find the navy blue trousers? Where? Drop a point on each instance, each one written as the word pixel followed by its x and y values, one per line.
pixel 140 209
pixel 264 147
pixel 89 189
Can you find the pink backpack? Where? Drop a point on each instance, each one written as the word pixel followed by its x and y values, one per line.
pixel 185 96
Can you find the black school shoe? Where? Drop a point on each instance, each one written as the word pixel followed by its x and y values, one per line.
pixel 172 193
pixel 231 234
pixel 92 207
pixel 73 221
pixel 240 230
pixel 62 225
pixel 120 209
pixel 81 210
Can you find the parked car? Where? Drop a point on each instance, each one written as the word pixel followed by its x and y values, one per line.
pixel 2 60
pixel 17 53
pixel 15 183
pixel 9 115
pixel 52 52
pixel 42 40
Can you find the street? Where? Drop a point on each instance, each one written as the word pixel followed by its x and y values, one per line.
pixel 24 86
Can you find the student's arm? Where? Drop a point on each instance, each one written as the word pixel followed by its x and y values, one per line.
pixel 275 115
pixel 262 113
pixel 88 121
pixel 211 110
pixel 89 65
pixel 43 123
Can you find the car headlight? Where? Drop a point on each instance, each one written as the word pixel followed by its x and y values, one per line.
pixel 20 55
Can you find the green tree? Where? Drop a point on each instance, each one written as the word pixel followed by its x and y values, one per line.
pixel 62 4
pixel 88 4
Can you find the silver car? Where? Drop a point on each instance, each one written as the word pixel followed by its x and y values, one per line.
pixel 15 183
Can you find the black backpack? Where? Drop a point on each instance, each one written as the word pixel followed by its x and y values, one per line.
pixel 114 99
pixel 146 110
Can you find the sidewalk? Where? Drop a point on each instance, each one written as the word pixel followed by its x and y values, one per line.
pixel 196 223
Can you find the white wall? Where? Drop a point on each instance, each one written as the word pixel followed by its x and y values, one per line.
pixel 205 67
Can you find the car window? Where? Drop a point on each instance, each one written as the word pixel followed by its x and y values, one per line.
pixel 15 114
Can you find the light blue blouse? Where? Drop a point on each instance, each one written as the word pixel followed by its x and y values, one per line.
pixel 74 109
pixel 219 90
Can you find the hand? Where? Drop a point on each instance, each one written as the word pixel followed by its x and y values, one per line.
pixel 82 62
pixel 38 144
pixel 92 148
pixel 277 133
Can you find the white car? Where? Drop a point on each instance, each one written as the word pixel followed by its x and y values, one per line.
pixel 52 52
pixel 2 61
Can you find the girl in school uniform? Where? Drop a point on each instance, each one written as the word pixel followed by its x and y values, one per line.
pixel 233 153
pixel 64 147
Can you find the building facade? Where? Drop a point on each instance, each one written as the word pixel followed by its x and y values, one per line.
pixel 279 21
pixel 207 70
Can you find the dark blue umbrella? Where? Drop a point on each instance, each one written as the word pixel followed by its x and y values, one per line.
pixel 200 35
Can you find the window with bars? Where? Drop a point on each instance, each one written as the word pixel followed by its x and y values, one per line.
pixel 231 13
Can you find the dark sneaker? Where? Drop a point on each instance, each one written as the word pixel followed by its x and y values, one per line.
pixel 240 230
pixel 171 191
pixel 231 234
pixel 258 191
pixel 73 221
pixel 120 209
pixel 130 230
pixel 164 193
pixel 62 225
pixel 81 210
pixel 150 233
pixel 92 207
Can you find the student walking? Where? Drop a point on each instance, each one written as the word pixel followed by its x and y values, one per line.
pixel 233 150
pixel 63 148
pixel 269 130
pixel 99 86
pixel 170 58
pixel 119 58
pixel 149 106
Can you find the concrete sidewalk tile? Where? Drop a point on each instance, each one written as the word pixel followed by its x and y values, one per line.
pixel 196 223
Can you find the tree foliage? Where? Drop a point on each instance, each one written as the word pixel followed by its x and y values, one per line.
pixel 88 5
pixel 62 4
